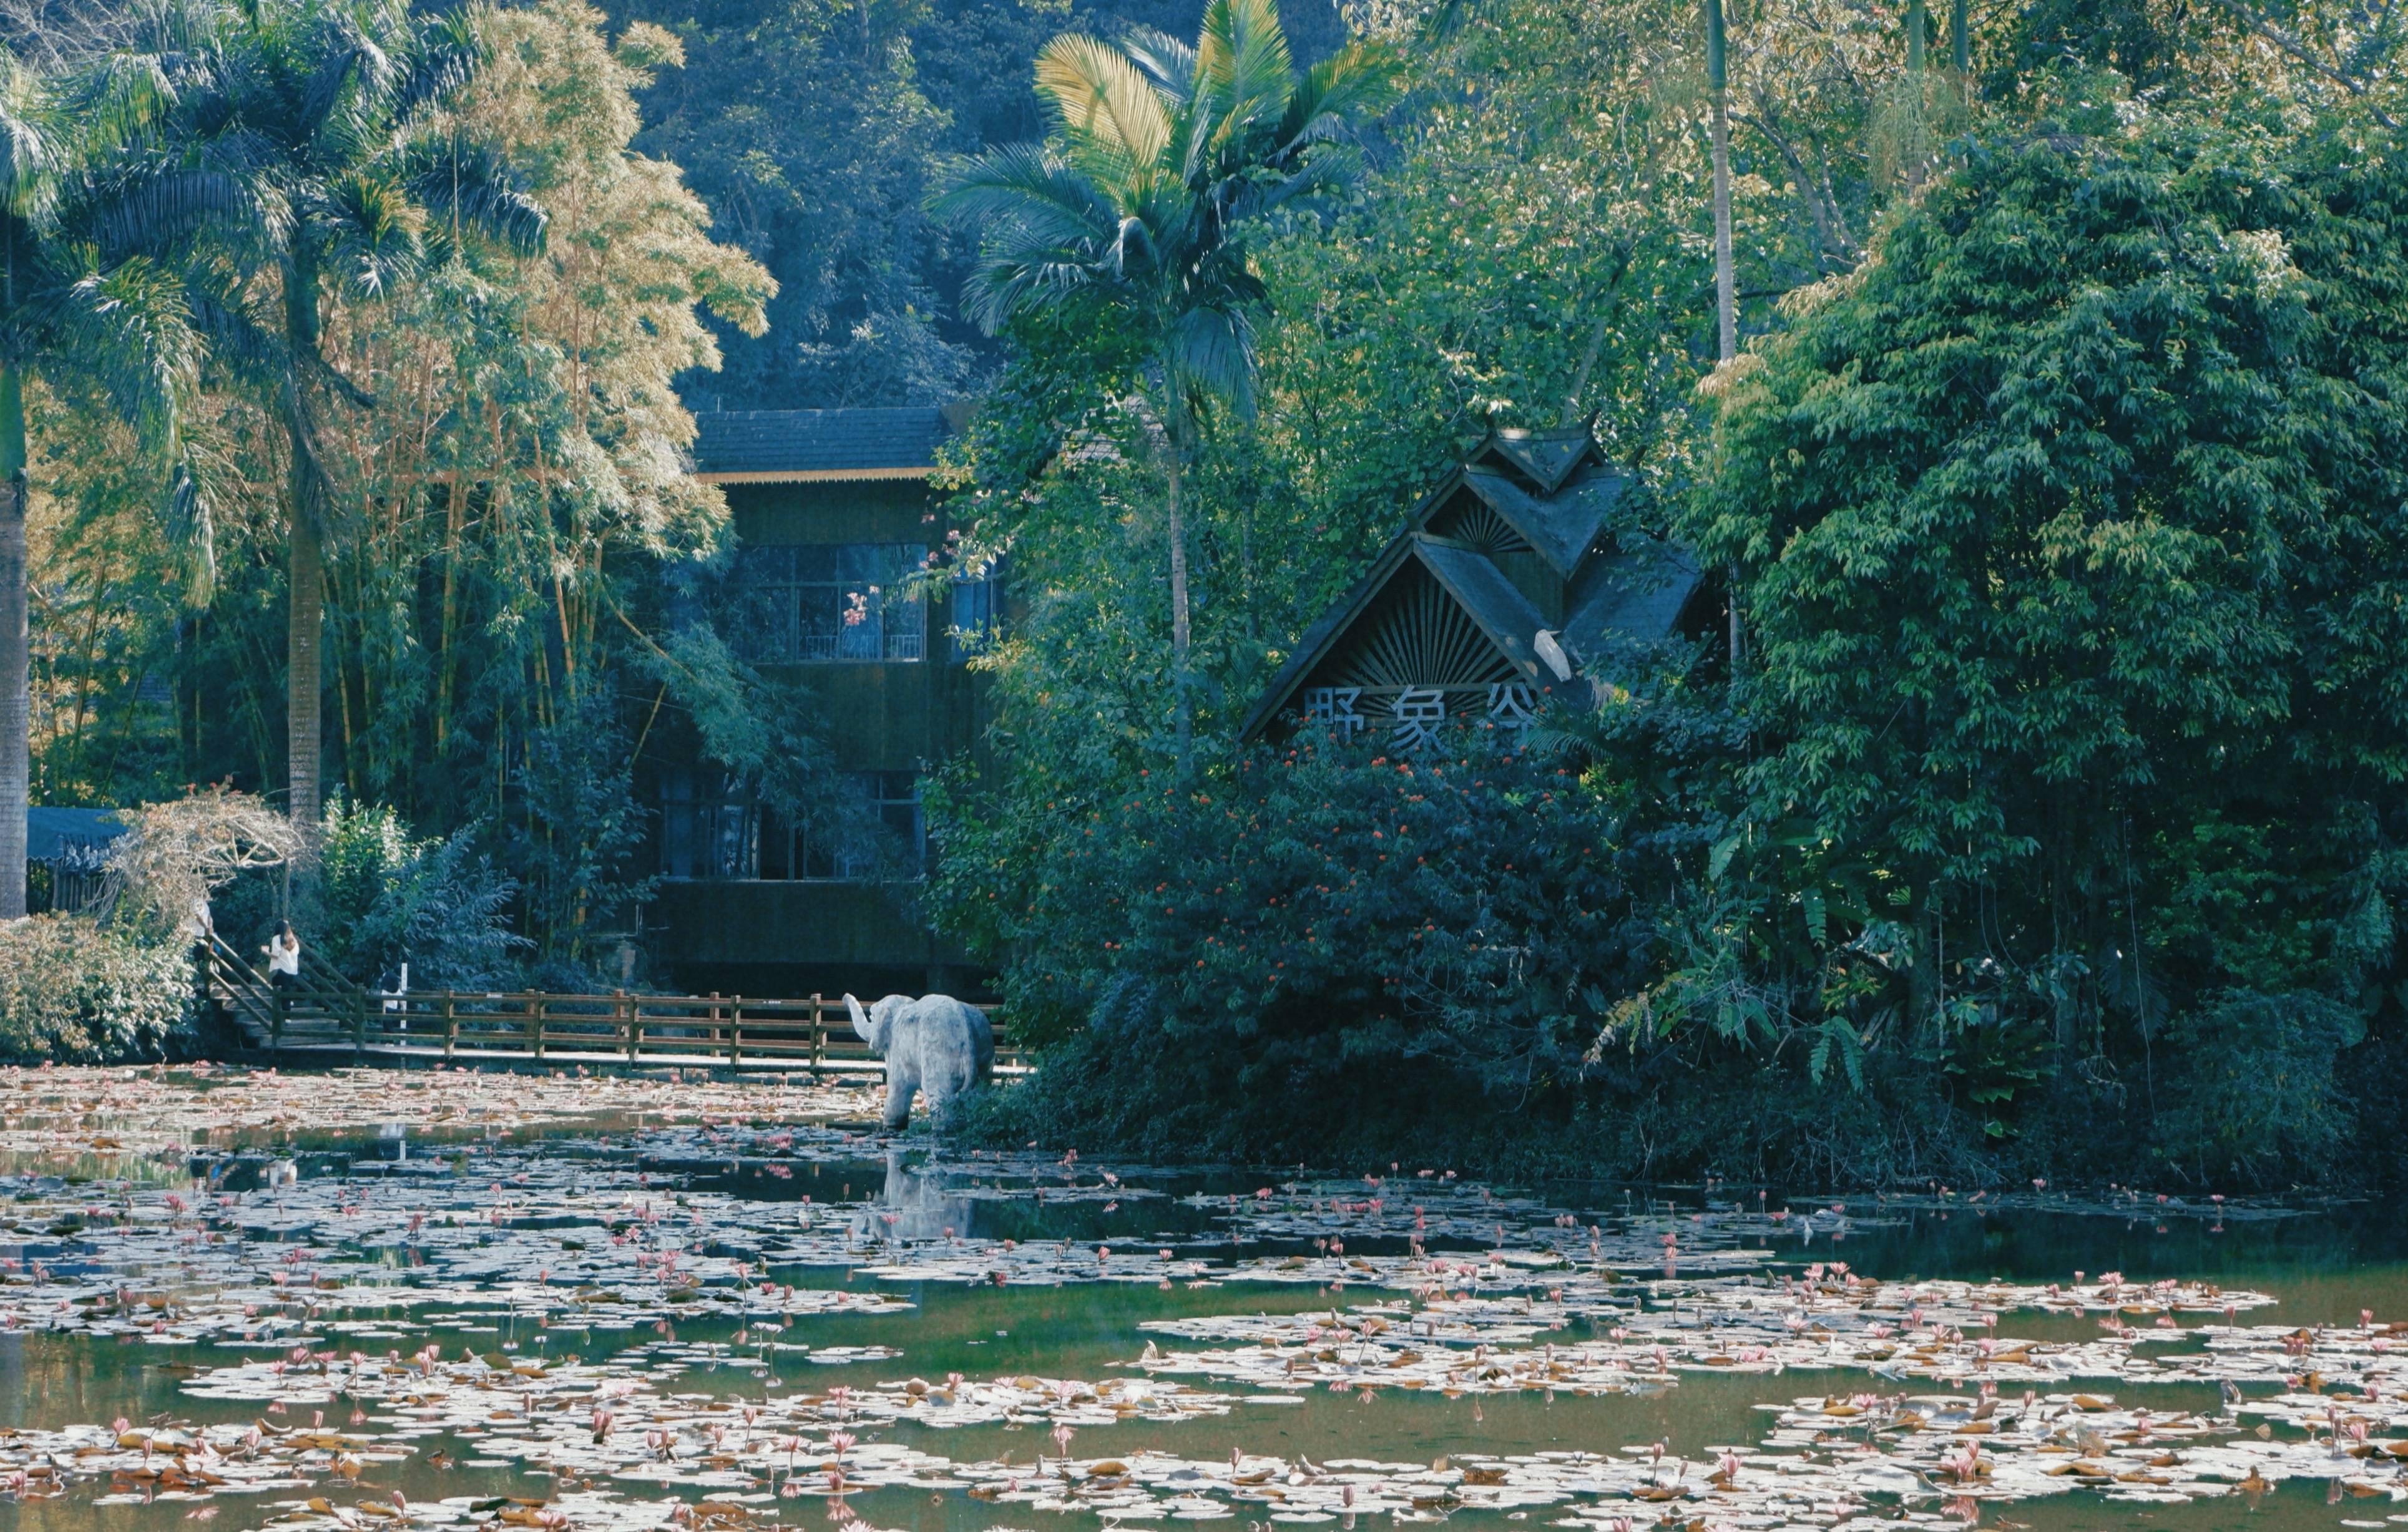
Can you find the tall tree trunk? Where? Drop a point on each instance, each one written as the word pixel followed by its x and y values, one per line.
pixel 15 654
pixel 1183 711
pixel 303 674
pixel 1961 44
pixel 305 584
pixel 1726 276
pixel 1918 27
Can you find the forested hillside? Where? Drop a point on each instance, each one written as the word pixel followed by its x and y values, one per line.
pixel 811 129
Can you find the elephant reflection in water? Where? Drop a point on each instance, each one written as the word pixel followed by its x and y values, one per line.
pixel 913 1205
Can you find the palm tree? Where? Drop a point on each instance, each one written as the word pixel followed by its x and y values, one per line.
pixel 84 308
pixel 1135 208
pixel 321 112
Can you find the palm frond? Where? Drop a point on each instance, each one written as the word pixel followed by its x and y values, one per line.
pixel 118 99
pixel 451 50
pixel 1094 90
pixel 1243 70
pixel 340 74
pixel 178 31
pixel 29 151
pixel 467 186
pixel 1019 272
pixel 1355 83
pixel 124 330
pixel 144 207
pixel 1165 61
pixel 240 343
pixel 373 231
pixel 1028 187
pixel 1211 353
pixel 189 512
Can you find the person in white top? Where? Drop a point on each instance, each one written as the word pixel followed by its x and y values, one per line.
pixel 283 951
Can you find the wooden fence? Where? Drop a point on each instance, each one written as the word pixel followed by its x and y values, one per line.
pixel 320 1013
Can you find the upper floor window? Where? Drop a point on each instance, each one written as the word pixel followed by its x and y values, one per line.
pixel 830 601
pixel 977 613
pixel 712 828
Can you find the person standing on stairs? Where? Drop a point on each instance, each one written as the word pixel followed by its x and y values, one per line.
pixel 283 951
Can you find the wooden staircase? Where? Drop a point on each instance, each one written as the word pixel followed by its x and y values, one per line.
pixel 312 1012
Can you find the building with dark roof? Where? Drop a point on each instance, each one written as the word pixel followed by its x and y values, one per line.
pixel 817 446
pixel 1521 576
pixel 834 515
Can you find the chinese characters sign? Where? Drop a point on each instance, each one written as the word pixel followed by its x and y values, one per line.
pixel 1413 716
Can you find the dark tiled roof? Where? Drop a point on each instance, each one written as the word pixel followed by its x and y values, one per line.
pixel 1561 527
pixel 50 831
pixel 1619 597
pixel 1633 596
pixel 817 441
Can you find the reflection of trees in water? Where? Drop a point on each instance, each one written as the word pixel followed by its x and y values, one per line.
pixel 48 1382
pixel 2027 1245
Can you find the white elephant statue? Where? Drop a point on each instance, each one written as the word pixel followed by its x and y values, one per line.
pixel 935 1043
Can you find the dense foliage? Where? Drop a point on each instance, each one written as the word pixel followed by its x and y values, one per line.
pixel 508 513
pixel 2054 497
pixel 2038 811
pixel 2065 532
pixel 74 991
pixel 1318 926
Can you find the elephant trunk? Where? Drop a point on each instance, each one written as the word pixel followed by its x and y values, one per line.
pixel 867 1029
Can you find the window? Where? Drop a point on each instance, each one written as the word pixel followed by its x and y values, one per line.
pixel 884 837
pixel 708 828
pixel 711 829
pixel 830 601
pixel 978 613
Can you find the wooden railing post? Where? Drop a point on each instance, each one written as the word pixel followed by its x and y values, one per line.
pixel 735 1025
pixel 714 1017
pixel 627 1023
pixel 534 1025
pixel 819 1035
pixel 451 1025
pixel 360 1027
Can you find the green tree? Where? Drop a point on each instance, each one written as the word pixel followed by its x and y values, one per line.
pixel 318 113
pixel 83 306
pixel 1135 213
pixel 806 129
pixel 2070 533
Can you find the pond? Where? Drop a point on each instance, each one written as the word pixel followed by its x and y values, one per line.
pixel 447 1299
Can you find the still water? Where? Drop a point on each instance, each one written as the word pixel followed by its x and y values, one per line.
pixel 610 1321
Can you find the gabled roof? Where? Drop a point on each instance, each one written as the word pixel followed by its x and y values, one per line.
pixel 1502 613
pixel 1547 457
pixel 796 446
pixel 1562 526
pixel 1315 644
pixel 1618 594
